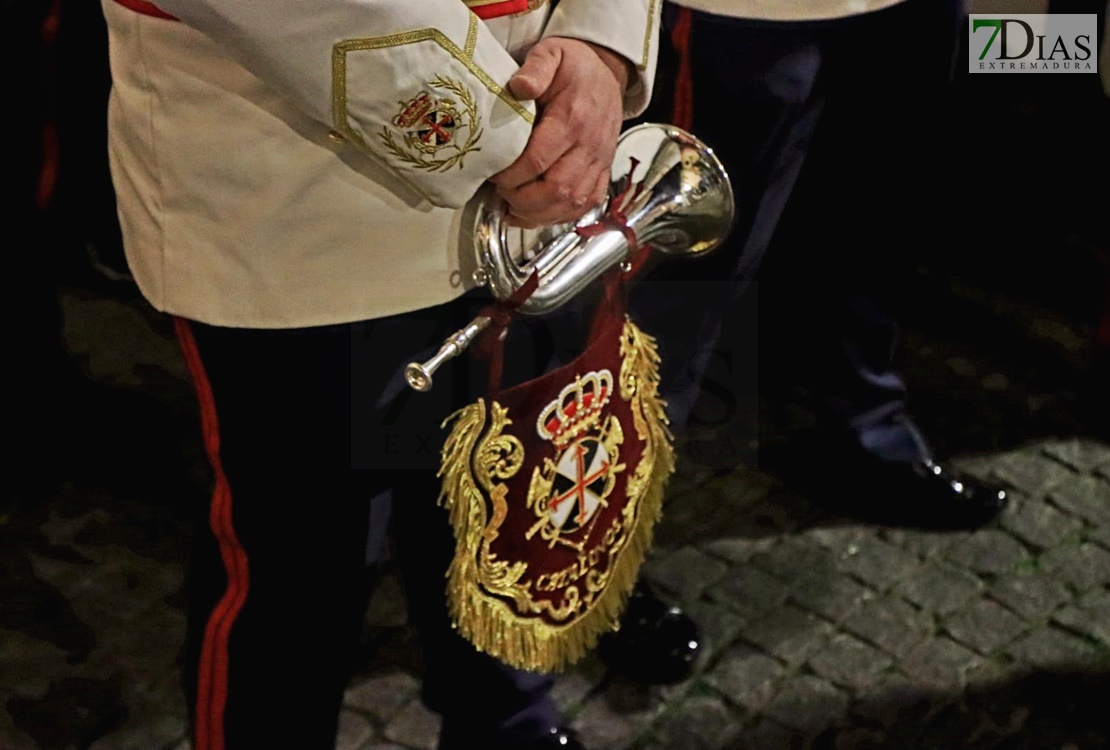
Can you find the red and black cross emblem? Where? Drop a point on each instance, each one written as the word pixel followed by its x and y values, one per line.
pixel 436 128
pixel 578 487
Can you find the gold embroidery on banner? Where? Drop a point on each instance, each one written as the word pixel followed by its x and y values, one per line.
pixel 489 601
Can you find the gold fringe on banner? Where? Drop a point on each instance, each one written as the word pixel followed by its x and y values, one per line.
pixel 489 603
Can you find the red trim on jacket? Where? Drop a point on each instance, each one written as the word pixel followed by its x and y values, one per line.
pixel 146 8
pixel 503 8
pixel 212 677
pixel 490 10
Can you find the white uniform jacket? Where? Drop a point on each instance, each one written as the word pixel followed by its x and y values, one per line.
pixel 293 163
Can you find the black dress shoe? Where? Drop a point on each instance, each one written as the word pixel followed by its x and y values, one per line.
pixel 920 494
pixel 656 644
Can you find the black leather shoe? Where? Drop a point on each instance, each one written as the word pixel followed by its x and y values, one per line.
pixel 656 643
pixel 919 494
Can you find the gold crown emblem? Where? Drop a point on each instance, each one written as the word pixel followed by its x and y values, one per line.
pixel 577 409
pixel 414 110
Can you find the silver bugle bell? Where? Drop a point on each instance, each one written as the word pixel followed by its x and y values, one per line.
pixel 666 188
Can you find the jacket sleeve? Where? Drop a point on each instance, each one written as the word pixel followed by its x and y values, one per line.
pixel 417 84
pixel 628 27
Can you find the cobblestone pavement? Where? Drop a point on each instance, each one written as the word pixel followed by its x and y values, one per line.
pixel 819 632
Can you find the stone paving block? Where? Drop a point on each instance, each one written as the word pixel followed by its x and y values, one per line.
pixel 722 509
pixel 1053 648
pixel 1032 472
pixel 796 559
pixel 1102 470
pixel 808 704
pixel 940 588
pixel 788 633
pixel 165 726
pixel 749 592
pixel 892 697
pixel 685 573
pixel 1039 523
pixel 768 734
pixel 985 626
pixel 991 673
pixel 784 511
pixel 737 551
pixel 382 695
pixel 890 623
pixel 575 685
pixel 1089 615
pixel 833 598
pixel 704 723
pixel 30 664
pixel 857 738
pixel 1080 454
pixel 924 544
pixel 615 719
pixel 1087 497
pixel 355 731
pixel 414 726
pixel 839 539
pixel 1081 566
pixel 849 662
pixel 939 663
pixel 877 563
pixel 741 671
pixel 719 627
pixel 1099 535
pixel 1032 593
pixel 990 551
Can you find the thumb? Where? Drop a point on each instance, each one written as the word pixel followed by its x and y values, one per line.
pixel 537 72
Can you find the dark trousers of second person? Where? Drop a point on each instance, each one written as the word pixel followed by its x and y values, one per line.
pixel 832 133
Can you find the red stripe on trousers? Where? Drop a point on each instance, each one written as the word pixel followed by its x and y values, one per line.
pixel 48 166
pixel 213 668
pixel 682 111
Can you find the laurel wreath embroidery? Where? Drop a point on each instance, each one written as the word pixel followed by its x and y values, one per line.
pixel 472 121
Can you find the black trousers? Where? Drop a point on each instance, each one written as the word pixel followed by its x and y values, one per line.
pixel 316 445
pixel 832 135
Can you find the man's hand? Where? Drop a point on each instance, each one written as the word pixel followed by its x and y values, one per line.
pixel 564 169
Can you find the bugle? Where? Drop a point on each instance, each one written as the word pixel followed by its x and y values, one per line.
pixel 667 189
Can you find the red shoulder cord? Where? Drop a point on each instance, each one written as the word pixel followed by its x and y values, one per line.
pixel 48 167
pixel 682 111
